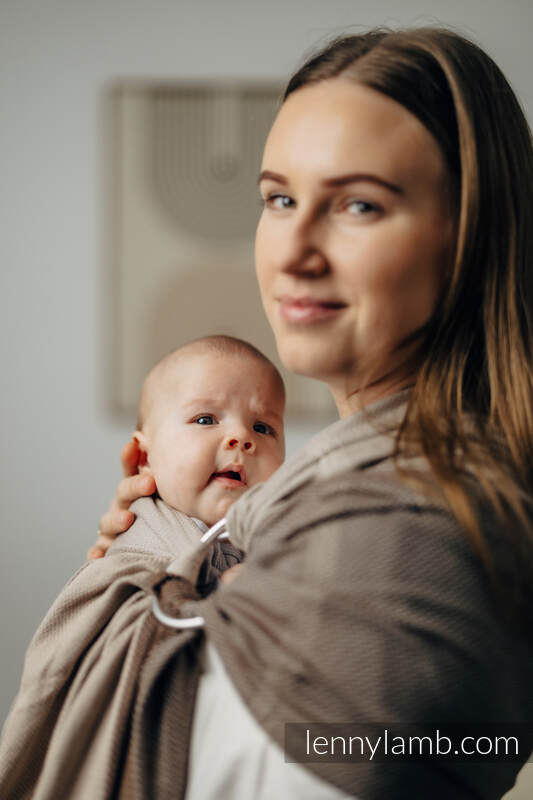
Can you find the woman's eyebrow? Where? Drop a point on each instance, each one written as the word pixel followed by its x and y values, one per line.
pixel 267 175
pixel 356 177
pixel 339 180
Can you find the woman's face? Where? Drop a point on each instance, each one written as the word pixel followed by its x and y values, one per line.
pixel 356 235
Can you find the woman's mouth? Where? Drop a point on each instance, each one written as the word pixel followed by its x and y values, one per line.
pixel 305 310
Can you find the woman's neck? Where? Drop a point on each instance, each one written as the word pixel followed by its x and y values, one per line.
pixel 349 399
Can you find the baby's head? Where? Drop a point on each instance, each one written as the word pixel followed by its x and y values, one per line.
pixel 210 424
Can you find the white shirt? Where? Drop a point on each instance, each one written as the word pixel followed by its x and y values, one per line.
pixel 232 758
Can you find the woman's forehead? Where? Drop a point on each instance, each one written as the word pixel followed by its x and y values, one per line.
pixel 338 126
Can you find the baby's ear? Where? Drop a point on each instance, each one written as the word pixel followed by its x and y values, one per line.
pixel 142 441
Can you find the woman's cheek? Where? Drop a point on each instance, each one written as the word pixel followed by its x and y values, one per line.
pixel 260 269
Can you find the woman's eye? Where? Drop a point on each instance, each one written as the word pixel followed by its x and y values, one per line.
pixel 262 427
pixel 205 419
pixel 279 202
pixel 360 207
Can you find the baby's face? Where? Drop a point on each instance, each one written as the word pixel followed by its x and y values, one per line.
pixel 215 429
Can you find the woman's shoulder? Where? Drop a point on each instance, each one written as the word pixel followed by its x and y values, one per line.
pixel 346 448
pixel 374 519
pixel 364 566
pixel 369 529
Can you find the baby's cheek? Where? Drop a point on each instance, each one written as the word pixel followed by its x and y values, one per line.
pixel 176 491
pixel 271 466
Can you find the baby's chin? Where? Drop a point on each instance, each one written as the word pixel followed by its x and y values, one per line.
pixel 218 513
pixel 218 510
pixel 209 505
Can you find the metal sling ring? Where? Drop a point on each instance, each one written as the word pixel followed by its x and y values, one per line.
pixel 217 531
pixel 175 622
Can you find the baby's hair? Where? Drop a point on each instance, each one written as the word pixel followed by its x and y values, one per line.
pixel 217 343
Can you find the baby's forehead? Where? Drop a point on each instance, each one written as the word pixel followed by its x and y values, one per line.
pixel 202 374
pixel 194 366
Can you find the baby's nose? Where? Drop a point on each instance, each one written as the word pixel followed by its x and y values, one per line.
pixel 241 443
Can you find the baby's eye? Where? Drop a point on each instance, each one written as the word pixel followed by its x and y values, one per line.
pixel 205 419
pixel 262 427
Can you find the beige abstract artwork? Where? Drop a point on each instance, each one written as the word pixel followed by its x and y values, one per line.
pixel 185 205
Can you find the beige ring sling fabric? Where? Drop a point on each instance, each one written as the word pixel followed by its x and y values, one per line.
pixel 91 720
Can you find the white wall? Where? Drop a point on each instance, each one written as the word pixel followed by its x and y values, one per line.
pixel 60 443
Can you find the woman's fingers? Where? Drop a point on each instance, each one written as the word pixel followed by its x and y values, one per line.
pixel 118 519
pixel 129 489
pixel 115 521
pixel 129 458
pixel 112 523
pixel 230 574
pixel 94 552
pixel 104 541
pixel 99 549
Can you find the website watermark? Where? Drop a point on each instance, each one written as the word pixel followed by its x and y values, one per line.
pixel 356 742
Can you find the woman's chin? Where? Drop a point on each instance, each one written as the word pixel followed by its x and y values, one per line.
pixel 311 363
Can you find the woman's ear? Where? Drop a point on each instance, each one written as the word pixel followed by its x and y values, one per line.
pixel 140 438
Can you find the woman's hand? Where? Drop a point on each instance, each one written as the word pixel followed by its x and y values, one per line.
pixel 118 519
pixel 230 574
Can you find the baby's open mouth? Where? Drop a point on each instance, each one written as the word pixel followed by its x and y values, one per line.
pixel 230 477
pixel 229 474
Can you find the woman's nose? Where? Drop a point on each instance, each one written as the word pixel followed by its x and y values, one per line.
pixel 303 253
pixel 310 265
pixel 246 445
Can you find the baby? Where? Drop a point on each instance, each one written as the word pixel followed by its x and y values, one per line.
pixel 210 425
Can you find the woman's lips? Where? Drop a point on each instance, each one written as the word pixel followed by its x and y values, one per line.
pixel 308 310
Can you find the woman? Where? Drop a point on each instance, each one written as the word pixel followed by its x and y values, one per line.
pixel 392 257
pixel 388 570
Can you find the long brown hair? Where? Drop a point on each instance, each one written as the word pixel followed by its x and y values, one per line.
pixel 471 410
